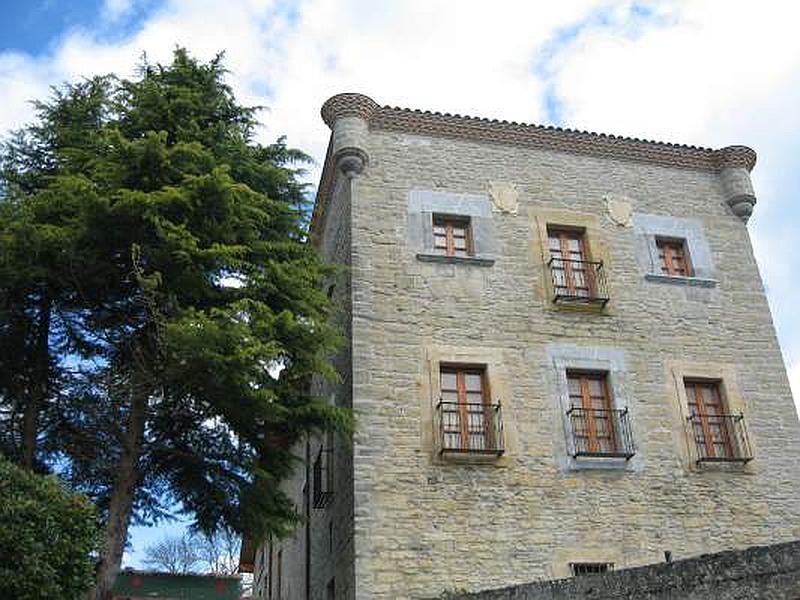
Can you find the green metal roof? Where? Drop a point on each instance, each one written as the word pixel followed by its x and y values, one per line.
pixel 138 585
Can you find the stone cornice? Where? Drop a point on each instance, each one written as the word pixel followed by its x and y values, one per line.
pixel 520 134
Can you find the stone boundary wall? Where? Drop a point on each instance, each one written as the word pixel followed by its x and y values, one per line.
pixel 760 572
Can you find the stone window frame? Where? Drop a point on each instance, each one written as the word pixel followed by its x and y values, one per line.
pixel 595 248
pixel 498 379
pixel 611 361
pixel 680 371
pixel 650 228
pixel 423 205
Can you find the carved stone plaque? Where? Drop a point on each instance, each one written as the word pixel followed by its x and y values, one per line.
pixel 620 209
pixel 505 197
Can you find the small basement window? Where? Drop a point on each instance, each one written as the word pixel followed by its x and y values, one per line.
pixel 590 568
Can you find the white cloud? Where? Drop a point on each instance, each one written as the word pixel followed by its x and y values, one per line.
pixel 711 74
pixel 468 58
pixel 692 71
pixel 114 10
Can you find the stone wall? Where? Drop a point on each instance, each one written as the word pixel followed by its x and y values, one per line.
pixel 759 573
pixel 409 523
pixel 422 524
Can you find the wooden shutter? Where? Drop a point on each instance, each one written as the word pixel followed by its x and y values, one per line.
pixel 593 421
pixel 674 258
pixel 571 274
pixel 709 421
pixel 466 414
pixel 452 235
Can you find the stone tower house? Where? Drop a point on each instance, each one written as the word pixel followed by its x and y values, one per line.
pixel 560 357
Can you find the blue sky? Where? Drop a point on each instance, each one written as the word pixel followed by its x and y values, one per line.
pixel 37 26
pixel 691 71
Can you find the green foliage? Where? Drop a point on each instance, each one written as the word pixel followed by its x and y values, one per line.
pixel 47 536
pixel 169 247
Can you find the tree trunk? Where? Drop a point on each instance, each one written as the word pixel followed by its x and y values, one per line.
pixel 119 509
pixel 40 385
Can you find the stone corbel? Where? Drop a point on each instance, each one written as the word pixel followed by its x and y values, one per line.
pixel 735 163
pixel 350 161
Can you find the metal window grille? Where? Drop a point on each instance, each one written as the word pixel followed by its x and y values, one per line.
pixel 602 433
pixel 590 568
pixel 578 281
pixel 323 474
pixel 470 428
pixel 720 438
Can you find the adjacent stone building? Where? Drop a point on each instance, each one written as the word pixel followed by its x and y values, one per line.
pixel 560 357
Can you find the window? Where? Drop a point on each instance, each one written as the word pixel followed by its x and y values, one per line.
pixel 469 422
pixel 331 590
pixel 717 436
pixel 674 251
pixel 451 228
pixel 598 429
pixel 673 257
pixel 452 235
pixel 574 276
pixel 590 568
pixel 269 573
pixel 279 576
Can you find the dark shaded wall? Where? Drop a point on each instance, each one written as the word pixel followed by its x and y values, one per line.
pixel 761 572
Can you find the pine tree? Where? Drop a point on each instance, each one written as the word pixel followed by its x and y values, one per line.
pixel 185 311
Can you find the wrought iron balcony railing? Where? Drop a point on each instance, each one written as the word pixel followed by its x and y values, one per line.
pixel 720 438
pixel 601 433
pixel 578 281
pixel 469 428
pixel 322 477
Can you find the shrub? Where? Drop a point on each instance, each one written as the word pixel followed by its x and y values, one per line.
pixel 47 536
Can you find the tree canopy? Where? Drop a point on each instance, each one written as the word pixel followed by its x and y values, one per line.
pixel 161 314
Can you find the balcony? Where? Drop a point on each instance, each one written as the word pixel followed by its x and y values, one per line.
pixel 720 438
pixel 469 428
pixel 578 281
pixel 600 433
pixel 322 477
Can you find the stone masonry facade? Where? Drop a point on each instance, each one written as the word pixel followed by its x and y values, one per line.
pixel 407 520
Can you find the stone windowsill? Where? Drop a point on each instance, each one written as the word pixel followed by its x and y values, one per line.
pixel 455 260
pixel 600 464
pixel 678 280
pixel 474 458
